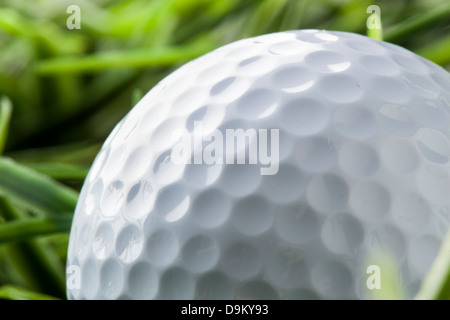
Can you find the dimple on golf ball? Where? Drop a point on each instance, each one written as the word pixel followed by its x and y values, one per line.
pixel 274 167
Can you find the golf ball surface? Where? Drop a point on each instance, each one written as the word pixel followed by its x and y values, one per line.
pixel 274 167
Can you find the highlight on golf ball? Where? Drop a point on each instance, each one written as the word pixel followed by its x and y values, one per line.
pixel 274 167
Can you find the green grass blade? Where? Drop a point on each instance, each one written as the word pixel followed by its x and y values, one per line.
pixel 137 58
pixel 34 191
pixel 416 23
pixel 436 285
pixel 376 34
pixel 60 171
pixel 21 230
pixel 136 96
pixel 75 154
pixel 438 52
pixel 377 31
pixel 10 292
pixel 34 264
pixel 293 15
pixel 390 282
pixel 263 16
pixel 5 116
pixel 46 33
pixel 348 15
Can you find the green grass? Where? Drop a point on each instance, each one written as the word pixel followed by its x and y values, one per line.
pixel 5 116
pixel 62 91
pixel 437 283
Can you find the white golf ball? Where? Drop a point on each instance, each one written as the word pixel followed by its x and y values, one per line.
pixel 273 167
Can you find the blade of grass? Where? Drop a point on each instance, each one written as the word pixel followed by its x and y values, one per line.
pixel 10 292
pixel 208 25
pixel 137 58
pixel 438 52
pixel 46 32
pixel 26 229
pixel 263 16
pixel 436 285
pixel 37 266
pixel 346 16
pixel 390 283
pixel 35 263
pixel 136 96
pixel 376 32
pixel 59 242
pixel 293 15
pixel 75 154
pixel 34 191
pixel 60 171
pixel 5 116
pixel 140 18
pixel 417 22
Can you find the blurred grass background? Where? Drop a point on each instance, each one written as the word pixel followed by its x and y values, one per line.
pixel 64 90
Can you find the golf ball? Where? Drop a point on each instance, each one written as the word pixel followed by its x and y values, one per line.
pixel 274 167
